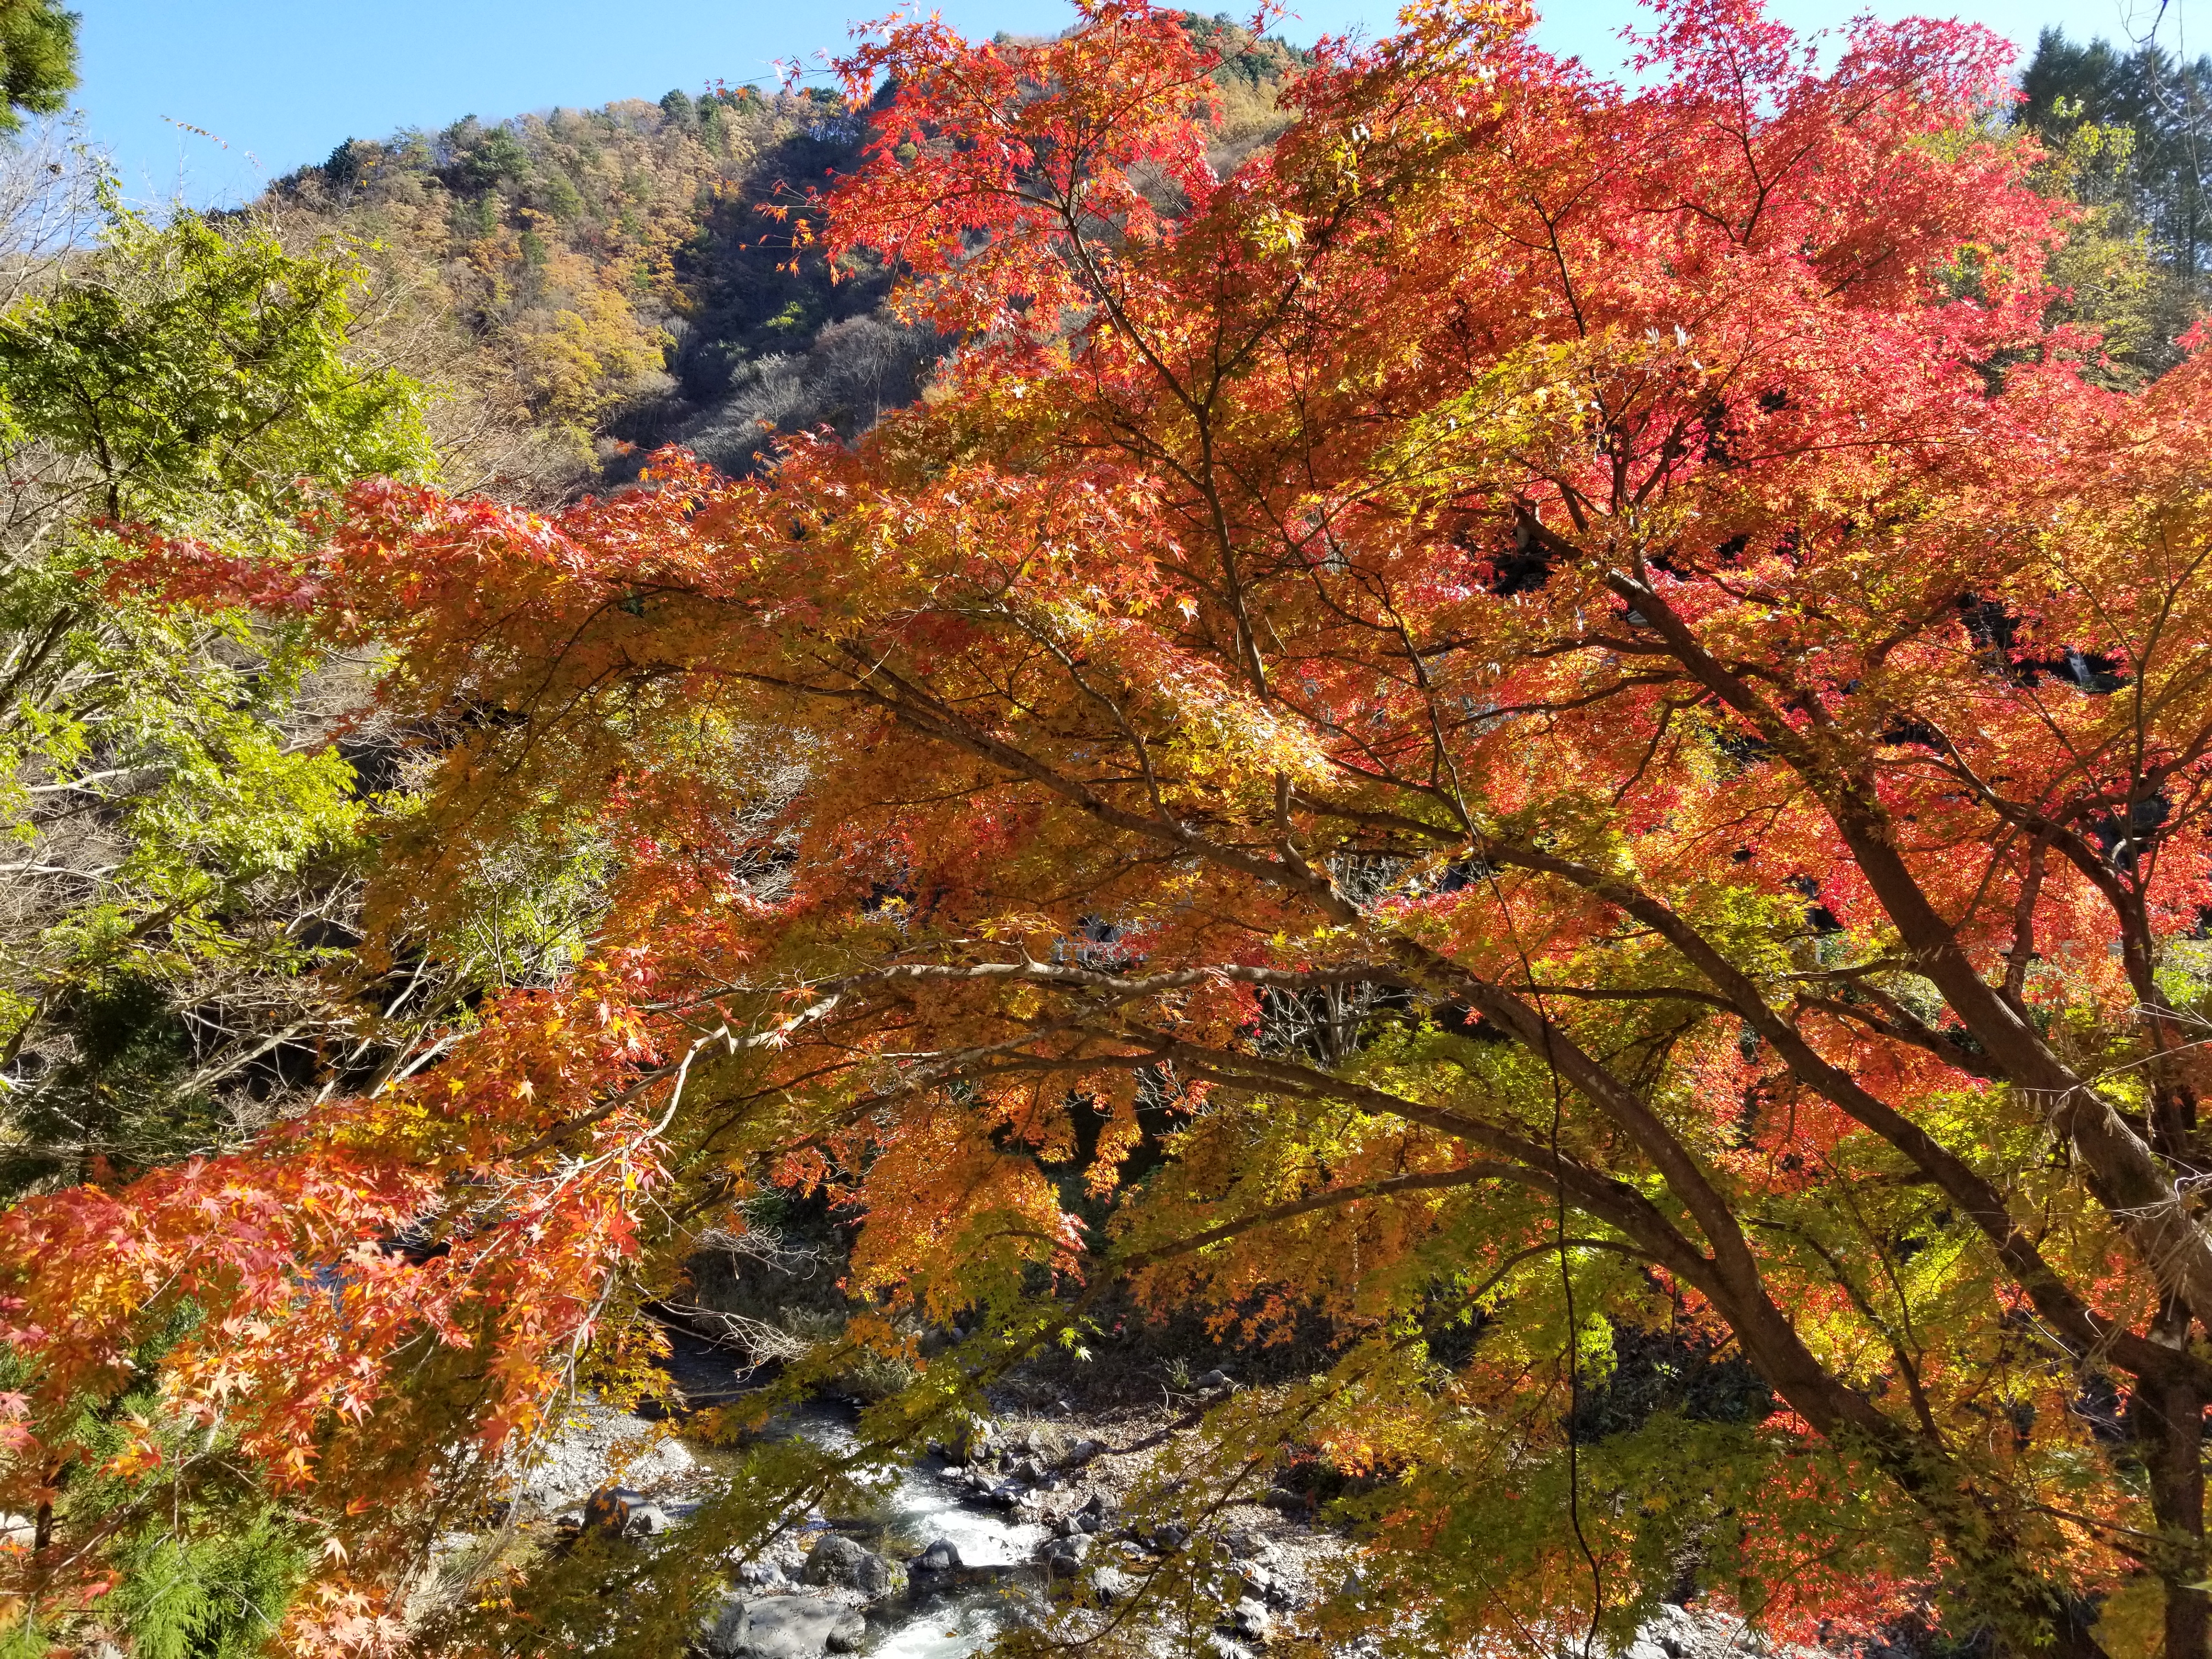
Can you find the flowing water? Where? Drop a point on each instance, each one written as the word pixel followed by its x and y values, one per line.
pixel 922 1509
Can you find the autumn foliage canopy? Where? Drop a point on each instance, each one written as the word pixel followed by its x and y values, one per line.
pixel 1552 723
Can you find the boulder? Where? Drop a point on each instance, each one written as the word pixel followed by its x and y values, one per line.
pixel 1252 1620
pixel 609 1509
pixel 1064 1557
pixel 937 1568
pixel 1082 1451
pixel 978 1442
pixel 782 1628
pixel 1676 1632
pixel 1111 1586
pixel 1211 1381
pixel 837 1561
pixel 649 1520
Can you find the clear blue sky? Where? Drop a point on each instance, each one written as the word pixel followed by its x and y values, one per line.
pixel 280 82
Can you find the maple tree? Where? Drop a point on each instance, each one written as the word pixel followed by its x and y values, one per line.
pixel 1571 697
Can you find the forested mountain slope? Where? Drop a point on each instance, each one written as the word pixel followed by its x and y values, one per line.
pixel 608 277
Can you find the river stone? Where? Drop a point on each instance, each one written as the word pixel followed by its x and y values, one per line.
pixel 837 1560
pixel 979 1442
pixel 937 1568
pixel 649 1520
pixel 609 1509
pixel 1253 1620
pixel 1064 1557
pixel 1112 1586
pixel 942 1555
pixel 782 1628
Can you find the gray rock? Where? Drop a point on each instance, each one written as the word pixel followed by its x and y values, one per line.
pixel 609 1509
pixel 1210 1381
pixel 1252 1619
pixel 942 1555
pixel 1112 1586
pixel 1676 1632
pixel 1082 1451
pixel 598 1446
pixel 837 1560
pixel 1063 1558
pixel 648 1520
pixel 782 1628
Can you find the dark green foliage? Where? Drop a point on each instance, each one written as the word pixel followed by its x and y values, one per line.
pixel 213 1594
pixel 495 158
pixel 113 1100
pixel 207 1564
pixel 37 59
pixel 2167 107
pixel 1252 60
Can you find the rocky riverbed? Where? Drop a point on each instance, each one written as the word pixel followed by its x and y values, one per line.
pixel 1026 1512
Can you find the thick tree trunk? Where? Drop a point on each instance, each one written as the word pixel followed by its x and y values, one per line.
pixel 2169 1425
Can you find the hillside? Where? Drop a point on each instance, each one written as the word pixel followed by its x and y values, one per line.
pixel 590 283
